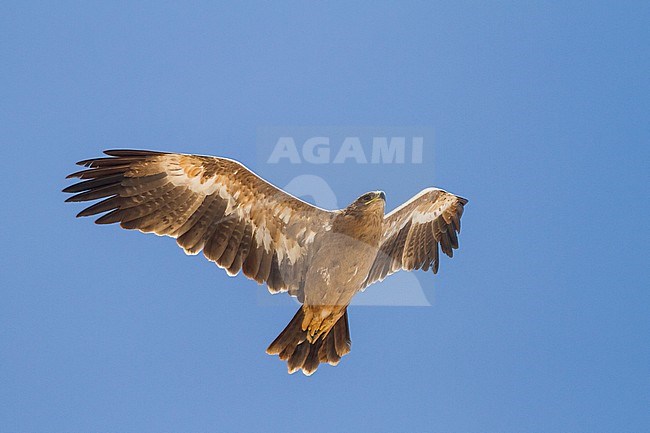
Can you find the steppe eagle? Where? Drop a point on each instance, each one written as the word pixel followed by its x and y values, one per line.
pixel 243 223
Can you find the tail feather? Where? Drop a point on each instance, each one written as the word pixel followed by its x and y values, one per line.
pixel 293 346
pixel 342 341
pixel 298 358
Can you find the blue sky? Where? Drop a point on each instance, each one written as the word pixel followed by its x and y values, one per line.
pixel 539 323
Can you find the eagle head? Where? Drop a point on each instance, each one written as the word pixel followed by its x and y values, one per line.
pixel 368 206
pixel 369 198
pixel 362 219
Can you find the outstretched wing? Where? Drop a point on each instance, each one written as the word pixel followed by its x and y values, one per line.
pixel 238 220
pixel 413 232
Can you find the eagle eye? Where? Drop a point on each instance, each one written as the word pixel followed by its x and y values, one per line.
pixel 366 197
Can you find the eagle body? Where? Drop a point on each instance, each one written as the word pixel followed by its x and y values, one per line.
pixel 245 224
pixel 341 264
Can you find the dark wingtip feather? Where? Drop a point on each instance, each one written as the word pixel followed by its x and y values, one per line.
pixel 92 184
pixel 131 152
pixel 436 258
pixel 116 155
pixel 70 189
pixel 105 205
pixel 95 194
pixel 109 218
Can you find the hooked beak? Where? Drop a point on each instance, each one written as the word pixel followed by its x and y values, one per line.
pixel 378 195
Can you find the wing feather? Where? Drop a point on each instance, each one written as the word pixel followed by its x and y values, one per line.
pixel 216 205
pixel 414 233
pixel 265 268
pixel 252 261
pixel 196 226
pixel 232 244
pixel 242 251
pixel 109 204
pixel 218 235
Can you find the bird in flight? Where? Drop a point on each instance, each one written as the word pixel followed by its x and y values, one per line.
pixel 245 224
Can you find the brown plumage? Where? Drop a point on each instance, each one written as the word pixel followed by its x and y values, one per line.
pixel 243 223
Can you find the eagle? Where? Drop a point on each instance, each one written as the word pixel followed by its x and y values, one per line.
pixel 245 224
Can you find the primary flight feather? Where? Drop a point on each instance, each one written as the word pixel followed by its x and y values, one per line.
pixel 243 223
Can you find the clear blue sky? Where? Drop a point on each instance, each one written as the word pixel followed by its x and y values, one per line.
pixel 541 321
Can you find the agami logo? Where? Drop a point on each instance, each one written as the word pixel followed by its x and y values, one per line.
pixel 372 150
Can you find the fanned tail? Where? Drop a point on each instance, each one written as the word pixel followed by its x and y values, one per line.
pixel 292 345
